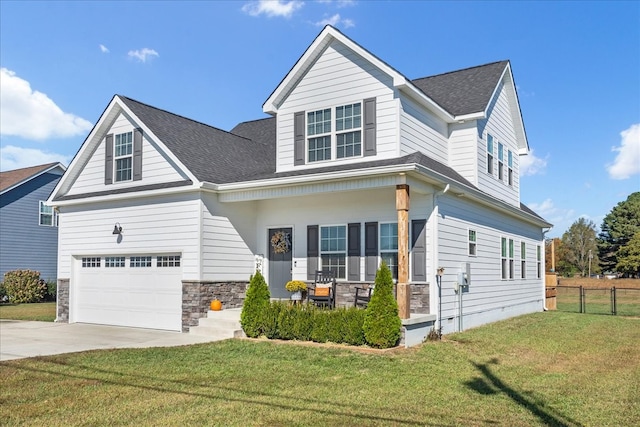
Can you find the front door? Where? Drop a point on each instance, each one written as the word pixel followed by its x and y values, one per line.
pixel 280 249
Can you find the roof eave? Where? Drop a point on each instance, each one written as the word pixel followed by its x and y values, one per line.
pixel 35 175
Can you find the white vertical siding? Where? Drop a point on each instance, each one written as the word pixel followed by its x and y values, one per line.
pixel 339 77
pixel 422 131
pixel 228 239
pixel 500 125
pixel 489 297
pixel 160 225
pixel 463 157
pixel 156 168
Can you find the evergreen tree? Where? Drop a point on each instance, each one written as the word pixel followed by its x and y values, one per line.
pixel 381 321
pixel 255 307
pixel 629 257
pixel 617 229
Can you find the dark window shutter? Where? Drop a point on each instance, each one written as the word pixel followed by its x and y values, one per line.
pixel 108 160
pixel 137 154
pixel 370 127
pixel 418 250
pixel 312 251
pixel 370 250
pixel 299 136
pixel 354 251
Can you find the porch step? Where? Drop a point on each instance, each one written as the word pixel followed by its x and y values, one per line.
pixel 221 324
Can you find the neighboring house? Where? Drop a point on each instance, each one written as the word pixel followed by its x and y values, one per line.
pixel 28 227
pixel 357 164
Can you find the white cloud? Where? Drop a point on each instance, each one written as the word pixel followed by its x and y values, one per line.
pixel 12 157
pixel 336 20
pixel 339 3
pixel 272 8
pixel 560 218
pixel 532 165
pixel 627 162
pixel 33 115
pixel 142 54
pixel 104 49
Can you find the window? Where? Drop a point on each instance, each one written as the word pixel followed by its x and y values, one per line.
pixel 472 242
pixel 140 261
pixel 47 215
pixel 523 260
pixel 500 161
pixel 389 247
pixel 91 262
pixel 510 258
pixel 539 259
pixel 489 154
pixel 333 249
pixel 503 246
pixel 168 261
pixel 349 144
pixel 114 261
pixel 510 164
pixel 123 155
pixel 347 131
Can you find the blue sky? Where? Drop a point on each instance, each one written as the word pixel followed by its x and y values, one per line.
pixel 576 66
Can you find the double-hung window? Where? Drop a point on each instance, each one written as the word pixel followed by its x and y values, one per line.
pixel 472 242
pixel 123 156
pixel 523 260
pixel 539 259
pixel 333 249
pixel 503 253
pixel 510 164
pixel 489 154
pixel 500 161
pixel 389 247
pixel 329 139
pixel 47 215
pixel 511 258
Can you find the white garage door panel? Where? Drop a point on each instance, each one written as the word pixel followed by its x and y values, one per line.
pixel 125 296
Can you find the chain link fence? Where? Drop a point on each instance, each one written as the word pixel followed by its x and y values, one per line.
pixel 615 301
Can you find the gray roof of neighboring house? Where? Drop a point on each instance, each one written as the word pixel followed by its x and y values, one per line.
pixel 464 91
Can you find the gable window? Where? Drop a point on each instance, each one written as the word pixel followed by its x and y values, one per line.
pixel 472 242
pixel 168 261
pixel 489 154
pixel 140 261
pixel 503 253
pixel 523 260
pixel 91 262
pixel 333 249
pixel 319 126
pixel 346 131
pixel 539 259
pixel 47 215
pixel 510 258
pixel 389 247
pixel 349 135
pixel 500 161
pixel 510 164
pixel 114 261
pixel 123 156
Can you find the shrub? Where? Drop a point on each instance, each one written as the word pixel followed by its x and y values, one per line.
pixel 381 321
pixel 24 286
pixel 352 332
pixel 3 293
pixel 51 292
pixel 271 320
pixel 256 304
pixel 320 329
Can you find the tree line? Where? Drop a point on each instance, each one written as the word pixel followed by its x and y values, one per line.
pixel 614 250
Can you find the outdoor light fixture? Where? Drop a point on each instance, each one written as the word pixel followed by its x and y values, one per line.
pixel 117 229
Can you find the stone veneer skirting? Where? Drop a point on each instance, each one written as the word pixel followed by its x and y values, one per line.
pixel 197 297
pixel 346 293
pixel 62 301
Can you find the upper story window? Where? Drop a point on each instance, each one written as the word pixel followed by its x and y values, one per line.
pixel 510 165
pixel 47 215
pixel 472 242
pixel 500 161
pixel 333 249
pixel 389 247
pixel 489 154
pixel 345 130
pixel 123 156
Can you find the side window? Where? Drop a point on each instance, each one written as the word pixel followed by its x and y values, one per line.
pixel 500 161
pixel 489 154
pixel 503 257
pixel 472 242
pixel 511 249
pixel 510 164
pixel 523 260
pixel 47 216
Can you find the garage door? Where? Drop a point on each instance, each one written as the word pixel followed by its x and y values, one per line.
pixel 137 291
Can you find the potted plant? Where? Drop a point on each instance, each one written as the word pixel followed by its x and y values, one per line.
pixel 296 287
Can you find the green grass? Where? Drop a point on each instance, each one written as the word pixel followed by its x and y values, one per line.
pixel 44 311
pixel 548 368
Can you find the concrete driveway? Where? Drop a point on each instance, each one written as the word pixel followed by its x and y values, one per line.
pixel 20 339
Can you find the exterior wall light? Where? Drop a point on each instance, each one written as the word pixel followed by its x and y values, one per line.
pixel 117 229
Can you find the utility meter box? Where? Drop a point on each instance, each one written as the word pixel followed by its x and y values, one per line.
pixel 464 275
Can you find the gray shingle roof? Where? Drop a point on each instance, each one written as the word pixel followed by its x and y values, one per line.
pixel 464 91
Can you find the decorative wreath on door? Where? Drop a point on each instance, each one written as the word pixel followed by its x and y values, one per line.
pixel 280 242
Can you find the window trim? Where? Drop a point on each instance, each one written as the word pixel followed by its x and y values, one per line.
pixel 472 242
pixel 539 256
pixel 336 252
pixel 333 134
pixel 503 258
pixel 511 259
pixel 53 214
pixel 116 158
pixel 523 260
pixel 490 150
pixel 510 167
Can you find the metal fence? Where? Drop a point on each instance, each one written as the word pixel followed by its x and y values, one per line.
pixel 615 301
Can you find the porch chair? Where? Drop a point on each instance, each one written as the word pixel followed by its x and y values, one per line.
pixel 325 294
pixel 363 296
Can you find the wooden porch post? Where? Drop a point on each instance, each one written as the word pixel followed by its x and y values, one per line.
pixel 404 289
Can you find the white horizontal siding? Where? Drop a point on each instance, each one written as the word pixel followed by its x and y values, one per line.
pixel 501 126
pixel 228 240
pixel 155 167
pixel 422 131
pixel 339 77
pixel 160 225
pixel 489 297
pixel 463 151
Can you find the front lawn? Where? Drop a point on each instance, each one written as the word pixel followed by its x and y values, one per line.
pixel 550 368
pixel 43 311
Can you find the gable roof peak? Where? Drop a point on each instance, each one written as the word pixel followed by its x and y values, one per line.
pixel 12 178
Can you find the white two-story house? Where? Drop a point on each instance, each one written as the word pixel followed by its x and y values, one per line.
pixel 356 164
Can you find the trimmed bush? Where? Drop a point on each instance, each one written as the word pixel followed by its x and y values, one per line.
pixel 271 320
pixel 3 293
pixel 24 286
pixel 52 290
pixel 256 304
pixel 320 330
pixel 381 321
pixel 353 320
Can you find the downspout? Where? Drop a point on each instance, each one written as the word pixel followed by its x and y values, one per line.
pixel 440 270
